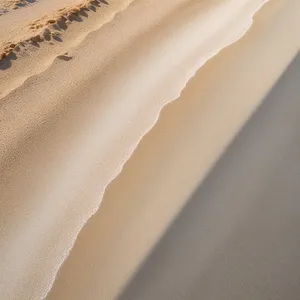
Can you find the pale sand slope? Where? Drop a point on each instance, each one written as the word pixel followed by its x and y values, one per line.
pixel 179 151
pixel 68 131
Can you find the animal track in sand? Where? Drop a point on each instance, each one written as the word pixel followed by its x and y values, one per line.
pixel 64 57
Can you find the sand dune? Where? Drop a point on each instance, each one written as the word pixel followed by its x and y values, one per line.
pixel 39 47
pixel 49 27
pixel 175 156
pixel 73 112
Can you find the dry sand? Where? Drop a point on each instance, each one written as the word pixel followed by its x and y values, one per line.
pixel 74 108
pixel 175 156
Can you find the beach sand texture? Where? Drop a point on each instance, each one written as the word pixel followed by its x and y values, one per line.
pixel 82 88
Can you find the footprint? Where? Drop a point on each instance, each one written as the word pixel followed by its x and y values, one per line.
pixel 64 57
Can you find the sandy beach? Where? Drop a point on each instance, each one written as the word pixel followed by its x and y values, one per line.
pixel 92 141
